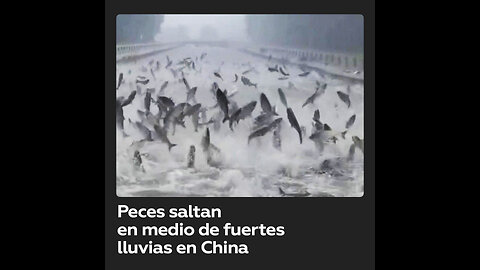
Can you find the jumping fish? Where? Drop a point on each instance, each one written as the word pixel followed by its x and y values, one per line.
pixel 120 80
pixel 234 118
pixel 344 97
pixel 266 107
pixel 294 123
pixel 358 142
pixel 223 103
pixel 218 75
pixel 162 135
pixel 283 99
pixel 129 99
pixel 283 72
pixel 304 74
pixel 350 121
pixel 191 94
pixel 275 69
pixel 148 100
pixel 247 82
pixel 247 110
pixel 142 80
pixel 164 85
pixel 312 98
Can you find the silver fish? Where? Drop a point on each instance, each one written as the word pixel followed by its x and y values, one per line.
pixel 162 135
pixel 344 97
pixel 283 99
pixel 350 121
pixel 223 103
pixel 294 123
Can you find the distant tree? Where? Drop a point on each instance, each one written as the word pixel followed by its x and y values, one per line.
pixel 137 28
pixel 340 33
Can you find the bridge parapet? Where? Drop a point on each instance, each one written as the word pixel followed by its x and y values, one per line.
pixel 341 60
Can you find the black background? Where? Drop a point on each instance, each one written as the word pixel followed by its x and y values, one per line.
pixel 329 233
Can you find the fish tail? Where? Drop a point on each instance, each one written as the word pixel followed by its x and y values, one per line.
pixel 281 191
pixel 170 146
pixel 225 119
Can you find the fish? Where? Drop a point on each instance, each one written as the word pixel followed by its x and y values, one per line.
pixel 169 63
pixel 191 94
pixel 264 130
pixel 247 71
pixel 266 107
pixel 119 114
pixel 153 75
pixel 344 97
pixel 283 72
pixel 234 118
pixel 217 75
pixel 236 78
pixel 195 120
pixel 275 123
pixel 247 82
pixel 206 140
pixel 316 115
pixel 162 135
pixel 172 115
pixel 318 137
pixel 263 119
pixel 312 98
pixel 322 85
pixel 203 56
pixel 275 69
pixel 247 110
pixel 146 133
pixel 142 80
pixel 148 100
pixel 283 78
pixel 294 123
pixel 120 80
pixel 258 133
pixel 358 142
pixel 223 103
pixel 186 84
pixel 351 152
pixel 191 157
pixel 192 109
pixel 166 101
pixel 148 117
pixel 129 99
pixel 304 74
pixel 283 99
pixel 164 85
pixel 350 121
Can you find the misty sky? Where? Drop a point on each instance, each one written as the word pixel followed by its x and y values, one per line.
pixel 231 27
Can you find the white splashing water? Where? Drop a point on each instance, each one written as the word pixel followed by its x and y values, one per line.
pixel 248 169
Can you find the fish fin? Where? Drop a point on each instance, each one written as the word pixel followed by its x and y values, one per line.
pixel 281 191
pixel 225 119
pixel 343 134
